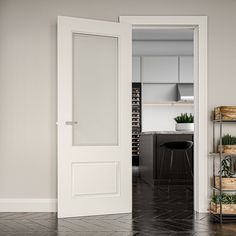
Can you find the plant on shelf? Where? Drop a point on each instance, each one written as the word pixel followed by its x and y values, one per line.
pixel 228 202
pixel 228 139
pixel 226 168
pixel 184 122
pixel 228 181
pixel 224 198
pixel 228 144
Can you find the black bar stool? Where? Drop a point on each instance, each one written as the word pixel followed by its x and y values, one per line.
pixel 172 146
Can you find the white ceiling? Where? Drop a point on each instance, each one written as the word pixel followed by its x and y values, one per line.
pixel 162 34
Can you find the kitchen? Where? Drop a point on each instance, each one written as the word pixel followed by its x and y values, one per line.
pixel 162 106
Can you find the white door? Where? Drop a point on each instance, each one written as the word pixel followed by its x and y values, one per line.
pixel 94 117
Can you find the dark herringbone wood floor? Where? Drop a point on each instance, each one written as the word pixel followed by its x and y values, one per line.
pixel 155 212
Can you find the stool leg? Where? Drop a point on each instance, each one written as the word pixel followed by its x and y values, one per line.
pixel 185 171
pixel 161 166
pixel 186 153
pixel 171 164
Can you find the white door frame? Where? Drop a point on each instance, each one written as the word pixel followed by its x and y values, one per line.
pixel 199 24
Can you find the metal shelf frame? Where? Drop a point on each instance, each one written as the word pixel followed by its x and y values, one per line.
pixel 215 154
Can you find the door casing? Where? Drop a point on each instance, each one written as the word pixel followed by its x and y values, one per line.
pixel 199 25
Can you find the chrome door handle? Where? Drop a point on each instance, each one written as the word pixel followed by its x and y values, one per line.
pixel 71 122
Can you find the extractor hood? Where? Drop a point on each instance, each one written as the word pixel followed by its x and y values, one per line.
pixel 185 92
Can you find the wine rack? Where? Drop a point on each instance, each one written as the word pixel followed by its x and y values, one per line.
pixel 136 121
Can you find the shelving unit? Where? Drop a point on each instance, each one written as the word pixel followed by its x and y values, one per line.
pixel 136 121
pixel 220 155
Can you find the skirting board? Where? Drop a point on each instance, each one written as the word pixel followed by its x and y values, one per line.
pixel 28 205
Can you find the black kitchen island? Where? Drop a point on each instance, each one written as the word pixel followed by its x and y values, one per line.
pixel 151 153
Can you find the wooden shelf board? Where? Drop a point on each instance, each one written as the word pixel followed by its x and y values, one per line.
pixel 223 215
pixel 223 154
pixel 170 103
pixel 224 121
pixel 223 190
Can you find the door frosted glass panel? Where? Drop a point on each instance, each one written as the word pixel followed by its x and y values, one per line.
pixel 95 90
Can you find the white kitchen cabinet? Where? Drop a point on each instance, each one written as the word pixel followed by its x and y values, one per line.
pixel 136 68
pixel 186 69
pixel 158 93
pixel 160 69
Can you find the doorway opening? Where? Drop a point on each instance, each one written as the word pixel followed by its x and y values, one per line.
pixel 163 116
pixel 198 26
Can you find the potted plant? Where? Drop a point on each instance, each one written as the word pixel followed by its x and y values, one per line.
pixel 228 144
pixel 184 122
pixel 228 181
pixel 228 202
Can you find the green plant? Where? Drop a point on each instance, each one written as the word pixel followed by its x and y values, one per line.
pixel 224 198
pixel 184 118
pixel 226 167
pixel 228 140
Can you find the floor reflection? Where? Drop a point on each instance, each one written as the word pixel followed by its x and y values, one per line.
pixel 155 212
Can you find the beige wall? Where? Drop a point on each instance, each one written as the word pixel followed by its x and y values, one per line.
pixel 28 77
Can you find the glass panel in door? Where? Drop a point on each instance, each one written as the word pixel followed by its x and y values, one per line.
pixel 95 95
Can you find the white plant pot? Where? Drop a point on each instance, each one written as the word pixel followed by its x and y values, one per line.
pixel 184 126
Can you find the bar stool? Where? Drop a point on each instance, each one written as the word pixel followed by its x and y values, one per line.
pixel 173 146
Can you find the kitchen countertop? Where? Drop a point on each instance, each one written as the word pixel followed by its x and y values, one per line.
pixel 167 132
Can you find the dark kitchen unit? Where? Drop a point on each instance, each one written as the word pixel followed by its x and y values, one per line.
pixel 151 153
pixel 136 121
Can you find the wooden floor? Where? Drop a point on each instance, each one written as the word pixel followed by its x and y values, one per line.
pixel 155 212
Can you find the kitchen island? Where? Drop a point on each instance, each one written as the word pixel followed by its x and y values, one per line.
pixel 151 153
